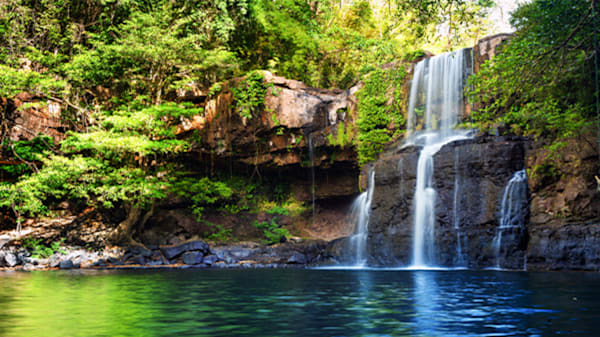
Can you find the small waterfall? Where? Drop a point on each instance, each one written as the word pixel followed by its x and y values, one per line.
pixel 435 102
pixel 460 260
pixel 361 208
pixel 513 212
pixel 311 155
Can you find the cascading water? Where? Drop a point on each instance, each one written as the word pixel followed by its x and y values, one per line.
pixel 513 212
pixel 361 208
pixel 460 259
pixel 435 102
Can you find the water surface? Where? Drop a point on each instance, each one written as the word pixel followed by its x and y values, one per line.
pixel 298 302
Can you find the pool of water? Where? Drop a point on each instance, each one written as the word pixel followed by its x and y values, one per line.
pixel 298 302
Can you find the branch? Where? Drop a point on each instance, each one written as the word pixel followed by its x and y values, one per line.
pixel 571 35
pixel 31 165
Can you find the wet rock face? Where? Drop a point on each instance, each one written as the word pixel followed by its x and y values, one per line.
pixel 488 47
pixel 567 191
pixel 569 246
pixel 278 140
pixel 479 169
pixel 43 116
pixel 565 208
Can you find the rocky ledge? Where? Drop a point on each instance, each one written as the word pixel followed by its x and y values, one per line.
pixel 197 254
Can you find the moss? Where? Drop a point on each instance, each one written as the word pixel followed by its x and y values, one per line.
pixel 380 106
pixel 249 94
pixel 414 55
pixel 341 139
pixel 331 140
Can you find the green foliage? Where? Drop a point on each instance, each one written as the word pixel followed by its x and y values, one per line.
pixel 249 94
pixel 272 230
pixel 545 173
pixel 201 192
pixel 412 56
pixel 220 234
pixel 123 135
pixel 117 162
pixel 541 84
pixel 378 120
pixel 451 22
pixel 60 178
pixel 14 81
pixel 130 47
pixel 339 139
pixel 41 251
pixel 343 136
pixel 113 64
pixel 278 210
pixel 153 52
pixel 280 35
pixel 27 151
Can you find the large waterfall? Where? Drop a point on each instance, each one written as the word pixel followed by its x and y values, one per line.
pixel 435 103
pixel 360 215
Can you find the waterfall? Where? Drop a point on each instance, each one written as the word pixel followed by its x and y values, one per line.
pixel 460 260
pixel 435 102
pixel 361 208
pixel 513 212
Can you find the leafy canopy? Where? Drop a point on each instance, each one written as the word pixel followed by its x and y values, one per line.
pixel 542 83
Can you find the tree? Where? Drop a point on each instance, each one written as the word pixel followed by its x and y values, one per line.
pixel 456 21
pixel 542 82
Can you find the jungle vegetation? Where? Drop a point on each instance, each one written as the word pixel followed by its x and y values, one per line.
pixel 113 65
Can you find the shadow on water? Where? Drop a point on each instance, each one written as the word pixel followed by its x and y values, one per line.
pixel 298 302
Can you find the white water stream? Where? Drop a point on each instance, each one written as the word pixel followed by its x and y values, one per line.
pixel 361 208
pixel 512 212
pixel 435 103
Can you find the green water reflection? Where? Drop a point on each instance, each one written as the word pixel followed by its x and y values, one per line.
pixel 296 302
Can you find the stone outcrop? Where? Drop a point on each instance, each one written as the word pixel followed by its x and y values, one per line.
pixel 562 231
pixel 565 208
pixel 488 47
pixel 566 246
pixel 26 116
pixel 480 169
pixel 192 253
pixel 296 120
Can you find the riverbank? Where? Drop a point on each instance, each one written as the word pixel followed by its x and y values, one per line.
pixel 193 253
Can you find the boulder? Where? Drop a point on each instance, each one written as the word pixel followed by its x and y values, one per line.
pixel 171 252
pixel 210 260
pixel 139 259
pixel 100 263
pixel 11 259
pixel 66 264
pixel 155 263
pixel 297 258
pixel 295 120
pixel 29 267
pixel 192 258
pixel 140 250
pixel 55 260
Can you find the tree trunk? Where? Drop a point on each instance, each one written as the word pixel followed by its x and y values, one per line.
pixel 123 233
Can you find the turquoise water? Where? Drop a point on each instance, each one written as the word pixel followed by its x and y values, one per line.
pixel 298 302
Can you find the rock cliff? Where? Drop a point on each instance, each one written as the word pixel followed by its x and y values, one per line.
pixel 565 207
pixel 479 169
